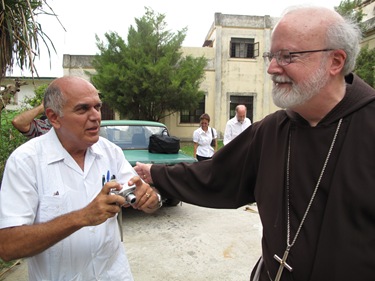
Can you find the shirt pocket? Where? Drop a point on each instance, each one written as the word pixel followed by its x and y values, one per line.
pixel 51 207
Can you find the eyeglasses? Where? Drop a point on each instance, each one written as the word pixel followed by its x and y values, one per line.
pixel 284 57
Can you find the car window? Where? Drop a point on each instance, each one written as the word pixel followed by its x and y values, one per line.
pixel 131 137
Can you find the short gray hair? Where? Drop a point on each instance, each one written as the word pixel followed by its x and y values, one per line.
pixel 342 33
pixel 54 99
pixel 345 35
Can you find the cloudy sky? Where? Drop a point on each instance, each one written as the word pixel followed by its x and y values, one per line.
pixel 82 19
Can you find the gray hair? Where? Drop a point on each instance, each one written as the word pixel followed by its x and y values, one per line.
pixel 342 33
pixel 345 35
pixel 54 99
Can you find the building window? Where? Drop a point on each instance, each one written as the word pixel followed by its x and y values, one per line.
pixel 106 110
pixel 244 48
pixel 192 116
pixel 245 100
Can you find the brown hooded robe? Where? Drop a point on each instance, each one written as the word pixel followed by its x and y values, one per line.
pixel 337 240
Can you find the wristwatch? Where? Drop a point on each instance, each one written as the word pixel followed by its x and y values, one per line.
pixel 160 201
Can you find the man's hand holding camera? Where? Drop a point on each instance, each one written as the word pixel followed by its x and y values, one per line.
pixel 148 199
pixel 137 194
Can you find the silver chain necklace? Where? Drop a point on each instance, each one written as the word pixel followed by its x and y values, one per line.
pixel 289 245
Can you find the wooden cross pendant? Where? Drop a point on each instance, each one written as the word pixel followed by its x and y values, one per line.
pixel 282 264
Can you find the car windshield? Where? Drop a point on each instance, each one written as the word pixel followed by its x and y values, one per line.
pixel 131 137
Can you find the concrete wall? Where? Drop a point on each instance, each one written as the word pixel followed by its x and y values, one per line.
pixel 368 8
pixel 74 65
pixel 240 76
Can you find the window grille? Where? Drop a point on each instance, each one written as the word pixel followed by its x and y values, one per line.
pixel 244 48
pixel 192 116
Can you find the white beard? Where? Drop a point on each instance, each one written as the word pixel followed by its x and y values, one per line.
pixel 298 94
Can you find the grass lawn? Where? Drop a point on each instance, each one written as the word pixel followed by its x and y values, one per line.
pixel 188 147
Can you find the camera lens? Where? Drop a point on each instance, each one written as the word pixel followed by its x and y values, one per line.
pixel 130 198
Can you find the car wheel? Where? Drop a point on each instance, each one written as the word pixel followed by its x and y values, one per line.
pixel 171 202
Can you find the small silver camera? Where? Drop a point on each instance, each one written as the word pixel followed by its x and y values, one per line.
pixel 127 193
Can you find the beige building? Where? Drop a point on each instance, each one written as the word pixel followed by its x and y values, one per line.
pixel 368 8
pixel 236 73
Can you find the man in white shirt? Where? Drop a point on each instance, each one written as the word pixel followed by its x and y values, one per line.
pixel 237 124
pixel 56 207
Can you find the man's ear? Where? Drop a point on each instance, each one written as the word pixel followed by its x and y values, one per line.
pixel 338 61
pixel 53 118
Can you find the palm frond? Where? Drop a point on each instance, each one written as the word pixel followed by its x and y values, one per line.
pixel 20 33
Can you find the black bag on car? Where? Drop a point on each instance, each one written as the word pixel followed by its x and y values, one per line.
pixel 163 144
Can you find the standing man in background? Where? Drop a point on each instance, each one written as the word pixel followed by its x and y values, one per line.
pixel 237 124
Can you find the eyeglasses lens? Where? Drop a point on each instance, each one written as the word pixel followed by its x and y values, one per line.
pixel 283 57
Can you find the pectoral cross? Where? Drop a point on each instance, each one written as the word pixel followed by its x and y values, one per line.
pixel 282 264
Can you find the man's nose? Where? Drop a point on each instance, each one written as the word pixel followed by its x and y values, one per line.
pixel 274 67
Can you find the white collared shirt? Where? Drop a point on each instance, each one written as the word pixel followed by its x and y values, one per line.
pixel 204 141
pixel 42 181
pixel 234 128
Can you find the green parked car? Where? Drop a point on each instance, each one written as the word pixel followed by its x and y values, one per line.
pixel 133 137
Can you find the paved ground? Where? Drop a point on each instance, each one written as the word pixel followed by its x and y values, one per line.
pixel 186 243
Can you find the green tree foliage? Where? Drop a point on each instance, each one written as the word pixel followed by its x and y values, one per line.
pixel 349 9
pixel 365 65
pixel 37 99
pixel 10 138
pixel 147 77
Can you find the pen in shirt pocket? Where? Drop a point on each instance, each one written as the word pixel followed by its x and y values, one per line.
pixel 109 178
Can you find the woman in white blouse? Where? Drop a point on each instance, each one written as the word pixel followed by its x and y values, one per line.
pixel 205 139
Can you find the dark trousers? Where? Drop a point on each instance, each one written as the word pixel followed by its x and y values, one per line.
pixel 202 158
